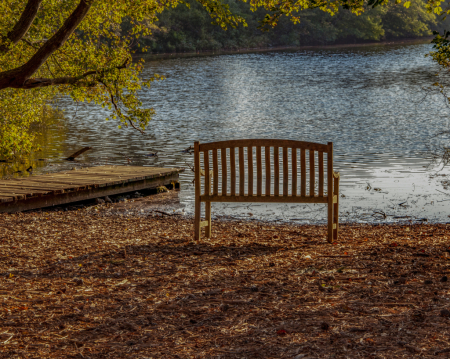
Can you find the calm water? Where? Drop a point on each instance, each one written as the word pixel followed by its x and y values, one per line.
pixel 369 101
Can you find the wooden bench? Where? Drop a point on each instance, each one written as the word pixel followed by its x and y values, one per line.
pixel 302 180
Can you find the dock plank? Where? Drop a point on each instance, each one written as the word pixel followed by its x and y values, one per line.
pixel 86 180
pixel 76 184
pixel 58 183
pixel 36 185
pixel 97 177
pixel 148 172
pixel 27 190
pixel 12 195
pixel 54 185
pixel 13 190
pixel 130 174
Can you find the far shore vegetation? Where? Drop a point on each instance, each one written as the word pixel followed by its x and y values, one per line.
pixel 189 29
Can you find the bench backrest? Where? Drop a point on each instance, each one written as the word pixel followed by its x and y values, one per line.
pixel 260 168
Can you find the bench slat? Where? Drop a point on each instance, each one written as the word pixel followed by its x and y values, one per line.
pixel 207 174
pixel 276 169
pixel 250 170
pixel 223 155
pixel 312 171
pixel 215 172
pixel 294 171
pixel 241 171
pixel 303 172
pixel 264 142
pixel 258 171
pixel 233 170
pixel 285 172
pixel 268 174
pixel 321 174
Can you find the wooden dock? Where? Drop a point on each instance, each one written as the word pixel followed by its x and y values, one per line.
pixel 21 194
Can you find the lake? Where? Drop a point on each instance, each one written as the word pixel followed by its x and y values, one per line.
pixel 370 101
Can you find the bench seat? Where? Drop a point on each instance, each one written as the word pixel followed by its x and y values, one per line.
pixel 265 199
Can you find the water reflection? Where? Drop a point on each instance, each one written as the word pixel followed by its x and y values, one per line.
pixel 51 135
pixel 369 101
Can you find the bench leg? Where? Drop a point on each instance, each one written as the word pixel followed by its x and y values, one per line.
pixel 330 222
pixel 208 218
pixel 197 219
pixel 336 209
pixel 336 221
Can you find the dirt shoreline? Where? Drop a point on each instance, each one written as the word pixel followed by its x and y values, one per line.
pixel 82 284
pixel 168 204
pixel 152 57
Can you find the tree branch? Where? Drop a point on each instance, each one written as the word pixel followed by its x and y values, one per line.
pixel 17 77
pixel 22 26
pixel 65 80
pixel 128 119
pixel 29 43
pixel 132 125
pixel 118 109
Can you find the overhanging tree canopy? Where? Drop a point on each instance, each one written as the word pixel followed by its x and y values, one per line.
pixel 78 48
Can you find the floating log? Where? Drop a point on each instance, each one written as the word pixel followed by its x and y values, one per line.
pixel 76 154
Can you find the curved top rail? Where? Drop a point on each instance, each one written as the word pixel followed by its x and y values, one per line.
pixel 265 142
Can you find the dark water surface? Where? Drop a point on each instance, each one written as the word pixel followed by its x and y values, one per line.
pixel 368 101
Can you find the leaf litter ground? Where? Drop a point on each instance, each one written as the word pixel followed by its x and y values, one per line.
pixel 77 284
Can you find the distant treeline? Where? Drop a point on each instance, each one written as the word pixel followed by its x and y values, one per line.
pixel 188 30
